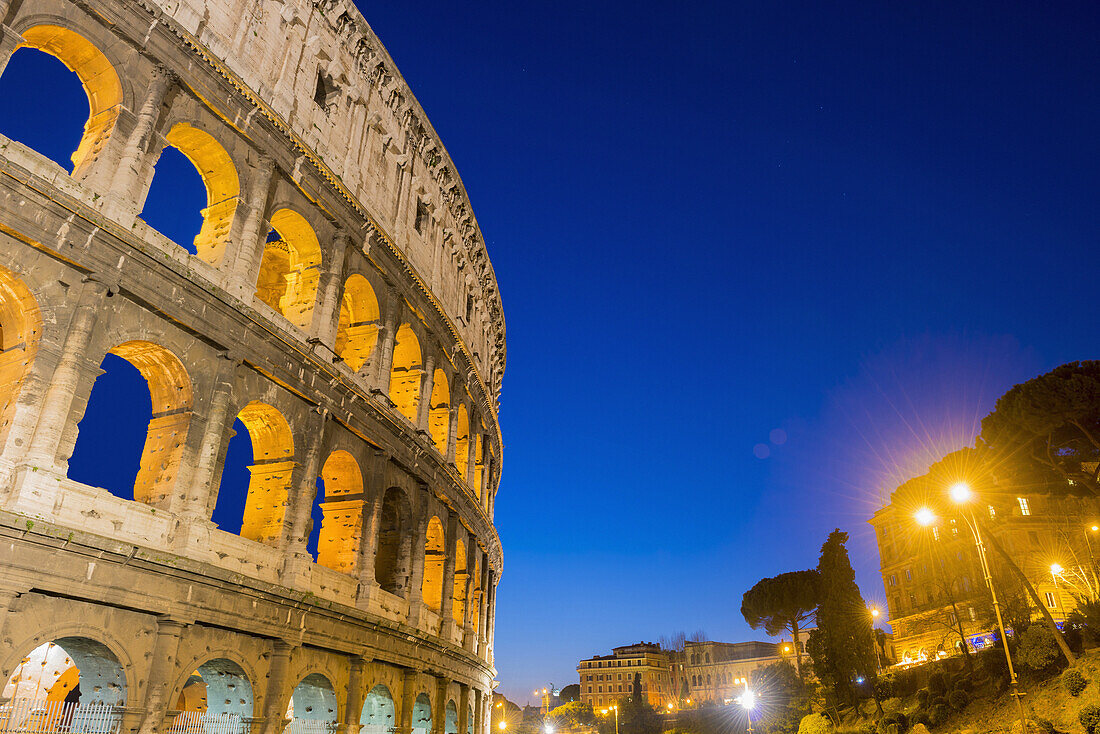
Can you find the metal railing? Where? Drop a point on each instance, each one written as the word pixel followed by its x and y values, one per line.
pixel 35 716
pixel 203 722
pixel 311 726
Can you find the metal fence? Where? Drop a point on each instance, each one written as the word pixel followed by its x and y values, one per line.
pixel 311 726
pixel 202 722
pixel 32 716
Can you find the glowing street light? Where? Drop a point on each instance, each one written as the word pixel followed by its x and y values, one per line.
pixel 960 493
pixel 924 517
pixel 748 702
pixel 503 725
pixel 1056 569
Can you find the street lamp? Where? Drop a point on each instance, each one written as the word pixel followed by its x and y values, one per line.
pixel 748 701
pixel 961 494
pixel 874 639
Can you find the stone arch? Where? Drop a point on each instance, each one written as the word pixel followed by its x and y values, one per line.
pixel 422 714
pixel 72 669
pixel 394 555
pixel 290 268
pixel 450 718
pixel 98 77
pixel 439 411
pixel 313 699
pixel 20 331
pixel 342 524
pixel 458 610
pixel 223 187
pixel 219 686
pixel 171 399
pixel 462 441
pixel 405 372
pixel 435 549
pixel 378 715
pixel 273 462
pixel 357 329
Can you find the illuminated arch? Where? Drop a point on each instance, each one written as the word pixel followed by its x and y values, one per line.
pixel 223 188
pixel 357 331
pixel 458 610
pixel 439 411
pixel 290 268
pixel 219 686
pixel 378 715
pixel 393 557
pixel 342 524
pixel 96 74
pixel 462 441
pixel 313 699
pixel 273 462
pixel 20 329
pixel 405 372
pixel 76 669
pixel 422 714
pixel 435 549
pixel 450 720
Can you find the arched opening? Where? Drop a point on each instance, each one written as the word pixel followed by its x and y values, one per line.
pixel 272 449
pixel 394 554
pixel 462 441
pixel 435 550
pixel 439 411
pixel 422 714
pixel 357 330
pixel 378 715
pixel 20 329
pixel 100 83
pixel 221 184
pixel 405 373
pixel 342 508
pixel 216 698
pixel 290 268
pixel 450 721
pixel 72 684
pixel 458 609
pixel 99 430
pixel 312 708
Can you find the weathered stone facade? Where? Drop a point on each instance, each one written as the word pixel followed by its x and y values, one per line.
pixel 361 342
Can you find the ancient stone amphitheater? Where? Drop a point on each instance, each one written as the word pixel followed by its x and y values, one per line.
pixel 338 301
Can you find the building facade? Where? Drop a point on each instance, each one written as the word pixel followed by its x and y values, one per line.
pixel 935 588
pixel 703 672
pixel 337 300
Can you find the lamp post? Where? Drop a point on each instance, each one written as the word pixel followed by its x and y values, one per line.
pixel 748 701
pixel 961 495
pixel 874 639
pixel 616 710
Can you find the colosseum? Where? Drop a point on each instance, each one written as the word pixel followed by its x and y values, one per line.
pixel 337 301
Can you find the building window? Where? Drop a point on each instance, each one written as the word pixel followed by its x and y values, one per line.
pixel 992 513
pixel 1052 603
pixel 893 579
pixel 1025 508
pixel 908 575
pixel 935 533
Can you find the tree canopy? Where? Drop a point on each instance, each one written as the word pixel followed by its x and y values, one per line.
pixel 783 603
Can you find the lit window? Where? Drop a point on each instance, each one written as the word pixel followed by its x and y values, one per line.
pixel 1025 508
pixel 992 512
pixel 1052 603
pixel 935 533
pixel 908 575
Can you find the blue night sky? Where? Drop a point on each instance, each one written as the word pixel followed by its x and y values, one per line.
pixel 759 264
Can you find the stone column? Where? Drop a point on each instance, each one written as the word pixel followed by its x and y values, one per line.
pixel 274 703
pixel 425 407
pixel 304 487
pixel 354 707
pixel 162 667
pixel 326 317
pixel 387 337
pixel 128 175
pixel 56 404
pixel 471 453
pixel 479 712
pixel 243 263
pixel 416 572
pixel 452 429
pixel 472 552
pixel 446 608
pixel 491 617
pixel 9 41
pixel 408 700
pixel 463 708
pixel 439 705
pixel 483 605
pixel 372 526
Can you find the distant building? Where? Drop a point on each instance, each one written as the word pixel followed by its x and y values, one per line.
pixel 935 589
pixel 702 671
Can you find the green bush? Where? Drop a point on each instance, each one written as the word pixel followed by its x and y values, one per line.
pixel 815 724
pixel 1038 649
pixel 919 729
pixel 1074 682
pixel 922 697
pixel 898 719
pixel 1089 716
pixel 893 729
pixel 920 717
pixel 939 714
pixel 958 699
pixel 937 701
pixel 937 684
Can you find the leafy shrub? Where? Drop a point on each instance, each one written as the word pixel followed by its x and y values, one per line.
pixel 920 717
pixel 893 729
pixel 919 729
pixel 937 701
pixel 1038 649
pixel 922 697
pixel 1046 726
pixel 939 714
pixel 1074 682
pixel 815 724
pixel 1089 716
pixel 898 719
pixel 937 684
pixel 958 699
